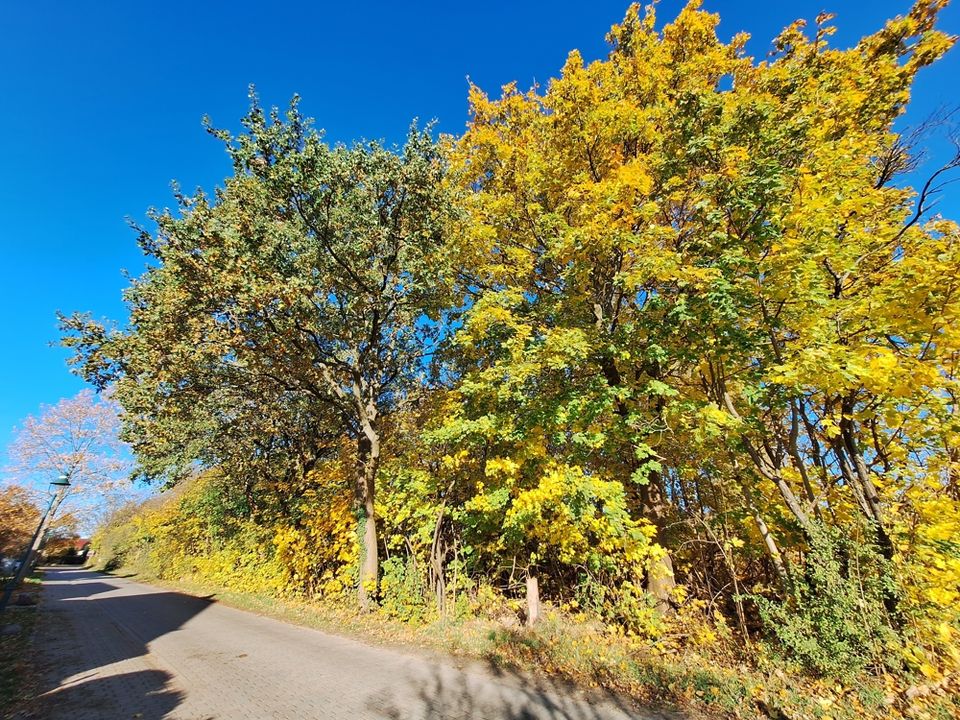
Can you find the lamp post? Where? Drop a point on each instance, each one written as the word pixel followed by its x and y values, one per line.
pixel 59 488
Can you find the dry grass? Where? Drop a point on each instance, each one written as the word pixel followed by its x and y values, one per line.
pixel 17 672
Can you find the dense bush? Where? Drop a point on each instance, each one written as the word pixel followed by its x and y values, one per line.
pixel 834 620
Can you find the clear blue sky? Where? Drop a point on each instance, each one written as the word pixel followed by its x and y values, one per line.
pixel 102 102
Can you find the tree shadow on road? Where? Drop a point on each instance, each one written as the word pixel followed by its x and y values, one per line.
pixel 110 697
pixel 95 640
pixel 500 694
pixel 87 589
pixel 118 575
pixel 92 648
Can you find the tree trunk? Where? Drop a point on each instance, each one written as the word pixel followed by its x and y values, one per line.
pixel 652 497
pixel 368 462
pixel 661 581
pixel 660 577
pixel 869 500
pixel 438 551
pixel 769 542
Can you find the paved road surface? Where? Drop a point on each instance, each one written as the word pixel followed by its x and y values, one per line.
pixel 114 649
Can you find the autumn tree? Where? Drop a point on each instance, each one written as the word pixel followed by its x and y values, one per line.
pixel 697 275
pixel 18 519
pixel 77 438
pixel 300 303
pixel 705 348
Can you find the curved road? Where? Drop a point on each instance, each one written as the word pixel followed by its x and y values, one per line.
pixel 113 649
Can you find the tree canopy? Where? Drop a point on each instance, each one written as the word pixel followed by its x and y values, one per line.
pixel 297 305
pixel 670 332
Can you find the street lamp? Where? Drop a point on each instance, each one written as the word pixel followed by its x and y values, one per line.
pixel 58 489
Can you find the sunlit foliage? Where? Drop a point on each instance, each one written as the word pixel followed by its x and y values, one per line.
pixel 668 341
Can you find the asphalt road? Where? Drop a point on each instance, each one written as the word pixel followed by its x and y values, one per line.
pixel 113 649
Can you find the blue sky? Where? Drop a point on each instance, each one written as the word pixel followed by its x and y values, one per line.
pixel 102 103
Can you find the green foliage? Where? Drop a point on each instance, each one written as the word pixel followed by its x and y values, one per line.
pixel 665 334
pixel 287 312
pixel 402 591
pixel 221 503
pixel 834 621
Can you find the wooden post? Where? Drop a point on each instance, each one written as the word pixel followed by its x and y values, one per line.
pixel 533 599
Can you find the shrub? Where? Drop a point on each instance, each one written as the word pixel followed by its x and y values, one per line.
pixel 833 622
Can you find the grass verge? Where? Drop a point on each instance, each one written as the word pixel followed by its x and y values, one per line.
pixel 17 679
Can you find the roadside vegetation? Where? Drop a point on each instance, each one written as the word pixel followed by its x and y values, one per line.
pixel 17 671
pixel 649 379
